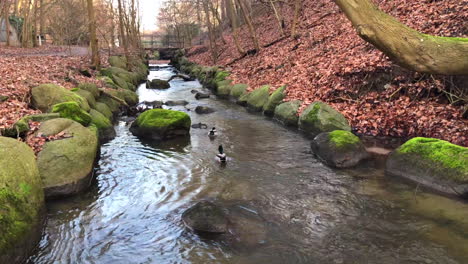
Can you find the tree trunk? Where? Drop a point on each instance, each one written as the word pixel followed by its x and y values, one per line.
pixel 278 18
pixel 406 46
pixel 95 60
pixel 297 8
pixel 213 47
pixel 245 13
pixel 233 18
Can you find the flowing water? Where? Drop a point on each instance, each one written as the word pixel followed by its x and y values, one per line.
pixel 286 206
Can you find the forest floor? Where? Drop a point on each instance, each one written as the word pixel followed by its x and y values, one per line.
pixel 330 63
pixel 22 69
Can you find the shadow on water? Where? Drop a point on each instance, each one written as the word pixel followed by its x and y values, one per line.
pixel 284 205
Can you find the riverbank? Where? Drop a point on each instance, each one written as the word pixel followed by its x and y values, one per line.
pixel 328 62
pixel 64 129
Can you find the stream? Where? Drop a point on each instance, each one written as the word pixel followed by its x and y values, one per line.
pixel 288 207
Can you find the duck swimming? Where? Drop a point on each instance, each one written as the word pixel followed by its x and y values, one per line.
pixel 213 133
pixel 221 156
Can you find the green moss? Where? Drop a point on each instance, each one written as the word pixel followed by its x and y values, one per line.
pixel 116 61
pixel 221 76
pixel 88 96
pixel 108 81
pixel 104 109
pixel 90 87
pixel 238 90
pixel 46 95
pixel 343 139
pixel 131 98
pixel 287 112
pixel 99 120
pixel 72 110
pixel 258 98
pixel 112 104
pixel 275 99
pixel 160 118
pixel 439 151
pixel 121 73
pixel 320 117
pixel 448 39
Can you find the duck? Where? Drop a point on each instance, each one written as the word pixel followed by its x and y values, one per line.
pixel 221 156
pixel 213 133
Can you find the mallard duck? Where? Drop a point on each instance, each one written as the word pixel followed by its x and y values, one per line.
pixel 213 133
pixel 221 156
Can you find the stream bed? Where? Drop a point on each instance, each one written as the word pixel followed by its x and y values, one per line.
pixel 288 207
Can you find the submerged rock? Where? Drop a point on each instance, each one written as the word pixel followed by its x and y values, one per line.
pixel 201 96
pixel 158 84
pixel 66 165
pixel 286 113
pixel 320 117
pixel 204 110
pixel 159 124
pixel 21 201
pixel 206 217
pixel 340 149
pixel 433 163
pixel 44 96
pixel 176 103
pixel 200 126
pixel 274 100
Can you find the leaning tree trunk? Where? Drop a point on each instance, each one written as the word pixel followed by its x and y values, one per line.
pixel 407 47
pixel 95 59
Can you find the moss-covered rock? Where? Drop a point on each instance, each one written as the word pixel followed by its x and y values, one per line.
pixel 223 88
pixel 161 124
pixel 124 74
pixel 44 96
pixel 158 84
pixel 118 61
pixel 121 83
pixel 287 113
pixel 131 98
pixel 90 87
pixel 339 149
pixel 433 163
pixel 21 127
pixel 21 201
pixel 88 96
pixel 66 165
pixel 221 76
pixel 108 81
pixel 104 126
pixel 112 104
pixel 320 117
pixel 258 98
pixel 72 110
pixel 104 109
pixel 238 90
pixel 275 99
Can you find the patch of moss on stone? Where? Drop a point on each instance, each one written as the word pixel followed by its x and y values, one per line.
pixel 44 96
pixel 131 98
pixel 342 139
pixel 221 76
pixel 238 90
pixel 224 88
pixel 72 110
pixel 88 96
pixel 439 151
pixel 124 74
pixel 118 61
pixel 108 81
pixel 275 99
pixel 90 87
pixel 286 113
pixel 320 117
pixel 104 109
pixel 258 98
pixel 157 118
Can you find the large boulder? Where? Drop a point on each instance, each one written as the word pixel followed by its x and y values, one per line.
pixel 131 98
pixel 103 124
pixel 159 124
pixel 44 96
pixel 72 110
pixel 90 87
pixel 433 163
pixel 320 117
pixel 129 77
pixel 275 99
pixel 238 90
pixel 339 149
pixel 66 165
pixel 206 217
pixel 105 110
pixel 113 105
pixel 258 98
pixel 158 84
pixel 88 96
pixel 287 113
pixel 21 201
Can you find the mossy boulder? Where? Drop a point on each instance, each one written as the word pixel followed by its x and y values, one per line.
pixel 105 110
pixel 159 124
pixel 113 105
pixel 121 83
pixel 433 163
pixel 339 149
pixel 44 96
pixel 258 98
pixel 118 61
pixel 238 90
pixel 158 84
pixel 275 99
pixel 221 76
pixel 287 113
pixel 88 96
pixel 21 201
pixel 72 110
pixel 90 87
pixel 223 88
pixel 108 81
pixel 66 165
pixel 131 98
pixel 319 117
pixel 103 124
pixel 119 72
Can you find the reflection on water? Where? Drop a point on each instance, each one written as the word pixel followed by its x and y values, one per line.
pixel 286 206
